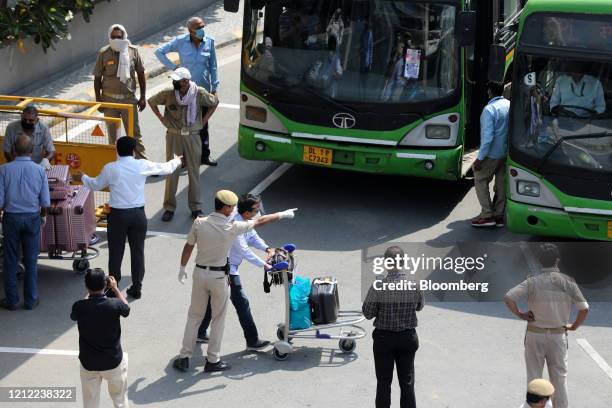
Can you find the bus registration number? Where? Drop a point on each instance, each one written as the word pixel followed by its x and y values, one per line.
pixel 318 155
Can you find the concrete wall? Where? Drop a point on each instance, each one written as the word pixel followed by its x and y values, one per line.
pixel 20 71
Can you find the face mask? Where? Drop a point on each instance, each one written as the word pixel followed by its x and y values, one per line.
pixel 200 33
pixel 27 125
pixel 118 45
pixel 176 85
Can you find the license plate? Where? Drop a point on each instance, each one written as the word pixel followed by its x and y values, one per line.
pixel 318 155
pixel 610 229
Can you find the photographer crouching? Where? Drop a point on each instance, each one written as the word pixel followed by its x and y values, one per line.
pixel 99 340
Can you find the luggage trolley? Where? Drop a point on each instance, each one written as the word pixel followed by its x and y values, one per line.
pixel 347 322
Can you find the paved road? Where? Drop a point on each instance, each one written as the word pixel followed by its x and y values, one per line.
pixel 470 353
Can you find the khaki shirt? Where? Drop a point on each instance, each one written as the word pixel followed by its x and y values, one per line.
pixel 106 66
pixel 214 236
pixel 175 115
pixel 550 296
pixel 41 139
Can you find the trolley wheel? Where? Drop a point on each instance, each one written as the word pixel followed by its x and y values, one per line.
pixel 347 346
pixel 80 266
pixel 280 356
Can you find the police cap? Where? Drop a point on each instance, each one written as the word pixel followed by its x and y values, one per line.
pixel 227 197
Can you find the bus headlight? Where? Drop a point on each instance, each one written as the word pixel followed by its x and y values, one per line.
pixel 437 132
pixel 255 113
pixel 528 188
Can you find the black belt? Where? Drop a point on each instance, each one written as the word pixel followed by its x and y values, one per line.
pixel 212 268
pixel 126 209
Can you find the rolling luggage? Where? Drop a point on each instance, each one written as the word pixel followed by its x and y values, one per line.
pixel 47 235
pixel 324 300
pixel 75 219
pixel 59 181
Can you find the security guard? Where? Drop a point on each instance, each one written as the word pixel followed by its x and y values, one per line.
pixel 539 392
pixel 550 296
pixel 114 81
pixel 183 120
pixel 214 236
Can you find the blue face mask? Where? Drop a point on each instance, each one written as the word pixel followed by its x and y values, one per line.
pixel 200 33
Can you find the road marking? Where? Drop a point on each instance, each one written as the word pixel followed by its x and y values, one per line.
pixel 586 346
pixel 166 234
pixel 21 350
pixel 272 177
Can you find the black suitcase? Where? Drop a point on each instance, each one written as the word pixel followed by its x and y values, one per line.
pixel 324 300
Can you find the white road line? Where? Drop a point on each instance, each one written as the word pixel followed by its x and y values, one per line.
pixel 586 346
pixel 272 177
pixel 49 352
pixel 166 234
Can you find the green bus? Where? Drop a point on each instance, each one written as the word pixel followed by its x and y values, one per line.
pixel 380 86
pixel 560 133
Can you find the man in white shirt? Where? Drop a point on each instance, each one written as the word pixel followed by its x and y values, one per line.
pixel 214 235
pixel 539 393
pixel 578 92
pixel 249 206
pixel 550 297
pixel 126 179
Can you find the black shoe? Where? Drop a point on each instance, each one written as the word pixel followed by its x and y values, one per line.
pixel 181 364
pixel 32 306
pixel 133 293
pixel 203 339
pixel 259 345
pixel 197 213
pixel 218 366
pixel 209 161
pixel 167 216
pixel 8 306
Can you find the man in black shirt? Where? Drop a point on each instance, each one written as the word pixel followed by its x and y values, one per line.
pixel 395 337
pixel 99 340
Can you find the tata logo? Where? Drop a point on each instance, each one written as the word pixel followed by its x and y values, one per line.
pixel 344 120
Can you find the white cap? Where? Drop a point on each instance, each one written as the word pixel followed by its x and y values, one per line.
pixel 180 73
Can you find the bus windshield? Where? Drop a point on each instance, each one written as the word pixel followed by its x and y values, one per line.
pixel 562 114
pixel 375 51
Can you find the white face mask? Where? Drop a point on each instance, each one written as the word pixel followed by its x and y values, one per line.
pixel 118 45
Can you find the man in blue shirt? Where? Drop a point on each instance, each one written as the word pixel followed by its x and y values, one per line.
pixel 249 206
pixel 491 161
pixel 196 53
pixel 578 92
pixel 24 197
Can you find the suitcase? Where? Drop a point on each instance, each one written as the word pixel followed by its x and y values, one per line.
pixel 59 181
pixel 47 235
pixel 75 220
pixel 324 300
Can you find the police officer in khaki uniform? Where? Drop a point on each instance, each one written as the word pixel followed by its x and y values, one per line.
pixel 183 120
pixel 214 235
pixel 116 66
pixel 539 392
pixel 550 296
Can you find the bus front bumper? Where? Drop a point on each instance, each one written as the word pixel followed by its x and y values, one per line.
pixel 437 164
pixel 536 220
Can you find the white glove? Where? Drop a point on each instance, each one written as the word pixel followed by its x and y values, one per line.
pixel 44 163
pixel 182 276
pixel 289 214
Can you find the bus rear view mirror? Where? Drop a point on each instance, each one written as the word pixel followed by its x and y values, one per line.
pixel 497 63
pixel 466 28
pixel 231 6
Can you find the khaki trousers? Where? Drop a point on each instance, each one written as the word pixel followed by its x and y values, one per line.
pixel 206 284
pixel 190 147
pixel 552 348
pixel 482 178
pixel 117 385
pixel 119 113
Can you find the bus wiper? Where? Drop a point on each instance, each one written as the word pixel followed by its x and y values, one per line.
pixel 559 142
pixel 311 91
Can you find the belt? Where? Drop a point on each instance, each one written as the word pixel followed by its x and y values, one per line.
pixel 212 268
pixel 117 96
pixel 127 209
pixel 183 132
pixel 555 330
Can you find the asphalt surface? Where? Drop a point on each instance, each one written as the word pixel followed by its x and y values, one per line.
pixel 471 354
